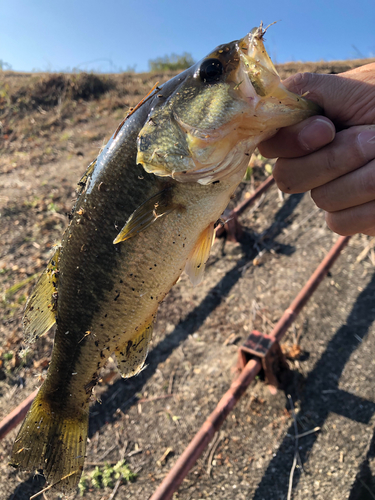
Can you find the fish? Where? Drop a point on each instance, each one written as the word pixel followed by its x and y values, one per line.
pixel 146 211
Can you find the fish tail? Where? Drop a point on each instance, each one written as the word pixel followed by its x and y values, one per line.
pixel 54 441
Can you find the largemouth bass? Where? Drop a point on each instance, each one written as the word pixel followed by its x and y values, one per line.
pixel 146 211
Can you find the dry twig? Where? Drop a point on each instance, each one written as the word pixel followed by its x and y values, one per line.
pixel 307 433
pixel 163 458
pixel 365 251
pixel 170 385
pixel 107 452
pixel 134 452
pixel 212 453
pixel 155 398
pixel 52 485
pixel 114 491
pixel 367 488
pixel 295 448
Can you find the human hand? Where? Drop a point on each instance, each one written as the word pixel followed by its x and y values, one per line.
pixel 338 167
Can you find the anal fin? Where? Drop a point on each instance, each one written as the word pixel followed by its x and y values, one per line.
pixel 40 311
pixel 151 210
pixel 198 258
pixel 131 357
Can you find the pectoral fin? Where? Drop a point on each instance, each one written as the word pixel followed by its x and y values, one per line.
pixel 198 258
pixel 131 357
pixel 151 210
pixel 40 311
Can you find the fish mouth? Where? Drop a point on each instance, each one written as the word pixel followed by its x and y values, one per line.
pixel 262 84
pixel 220 110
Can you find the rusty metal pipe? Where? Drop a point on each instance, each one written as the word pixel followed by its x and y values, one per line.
pixel 17 415
pixel 310 286
pixel 239 209
pixel 195 448
pixel 262 188
pixel 193 451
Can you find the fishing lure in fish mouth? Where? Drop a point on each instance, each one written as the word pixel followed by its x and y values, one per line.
pixel 165 177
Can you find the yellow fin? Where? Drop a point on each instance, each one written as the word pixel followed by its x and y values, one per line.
pixel 151 210
pixel 131 357
pixel 85 177
pixel 40 311
pixel 198 258
pixel 53 442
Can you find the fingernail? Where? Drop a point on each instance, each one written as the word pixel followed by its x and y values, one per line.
pixel 316 134
pixel 366 141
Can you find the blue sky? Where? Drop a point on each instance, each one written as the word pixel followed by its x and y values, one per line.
pixel 116 35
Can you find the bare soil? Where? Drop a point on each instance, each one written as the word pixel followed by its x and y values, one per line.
pixel 52 126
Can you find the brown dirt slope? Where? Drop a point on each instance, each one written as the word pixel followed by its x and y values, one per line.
pixel 52 126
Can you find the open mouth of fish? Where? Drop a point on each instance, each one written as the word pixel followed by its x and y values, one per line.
pixel 233 100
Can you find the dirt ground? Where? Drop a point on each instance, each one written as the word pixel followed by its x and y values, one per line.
pixel 52 127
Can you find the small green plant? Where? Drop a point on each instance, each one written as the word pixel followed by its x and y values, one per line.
pixel 4 92
pixel 65 136
pixel 8 356
pixel 83 485
pixel 106 476
pixel 173 62
pixel 22 299
pixel 96 478
pixel 248 174
pixel 52 207
pixel 15 288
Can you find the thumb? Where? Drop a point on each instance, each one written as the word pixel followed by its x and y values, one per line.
pixel 345 97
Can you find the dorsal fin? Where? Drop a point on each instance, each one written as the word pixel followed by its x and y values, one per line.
pixel 151 210
pixel 198 258
pixel 40 311
pixel 131 357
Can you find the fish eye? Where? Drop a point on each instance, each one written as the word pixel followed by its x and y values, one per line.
pixel 211 70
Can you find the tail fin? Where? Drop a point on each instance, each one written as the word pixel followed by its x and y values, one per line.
pixel 53 442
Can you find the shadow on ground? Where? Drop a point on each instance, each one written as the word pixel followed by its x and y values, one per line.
pixel 317 403
pixel 365 482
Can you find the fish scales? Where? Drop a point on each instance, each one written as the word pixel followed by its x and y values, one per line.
pixel 146 211
pixel 112 300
